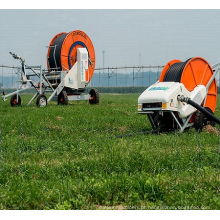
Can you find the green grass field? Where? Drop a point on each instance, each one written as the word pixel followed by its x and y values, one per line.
pixel 68 157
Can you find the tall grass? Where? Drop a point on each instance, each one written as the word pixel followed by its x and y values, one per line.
pixel 68 157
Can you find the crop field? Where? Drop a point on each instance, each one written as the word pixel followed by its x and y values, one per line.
pixel 69 157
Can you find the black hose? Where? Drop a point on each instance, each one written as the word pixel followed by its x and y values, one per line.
pixel 174 73
pixel 200 108
pixel 54 56
pixel 157 131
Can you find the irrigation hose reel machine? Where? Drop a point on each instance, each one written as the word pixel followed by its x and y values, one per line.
pixel 70 67
pixel 72 52
pixel 184 96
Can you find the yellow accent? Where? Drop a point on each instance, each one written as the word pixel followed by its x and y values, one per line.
pixel 164 105
pixel 139 106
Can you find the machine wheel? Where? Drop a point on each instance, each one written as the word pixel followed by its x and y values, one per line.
pixel 41 101
pixel 94 99
pixel 14 101
pixel 202 120
pixel 63 98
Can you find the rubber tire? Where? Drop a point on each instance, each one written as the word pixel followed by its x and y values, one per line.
pixel 202 120
pixel 13 100
pixel 62 98
pixel 95 96
pixel 38 102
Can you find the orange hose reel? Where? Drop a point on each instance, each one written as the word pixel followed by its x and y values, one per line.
pixel 62 51
pixel 196 71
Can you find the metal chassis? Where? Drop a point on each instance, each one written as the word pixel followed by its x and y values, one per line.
pixel 44 84
pixel 20 72
pixel 182 126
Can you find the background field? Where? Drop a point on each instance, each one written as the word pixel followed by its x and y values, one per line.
pixel 68 157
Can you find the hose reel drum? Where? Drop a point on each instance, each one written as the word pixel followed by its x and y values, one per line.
pixel 62 51
pixel 193 72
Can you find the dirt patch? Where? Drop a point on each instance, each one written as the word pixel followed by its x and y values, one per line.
pixel 211 129
pixel 59 118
